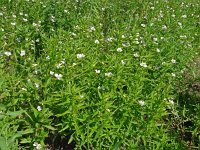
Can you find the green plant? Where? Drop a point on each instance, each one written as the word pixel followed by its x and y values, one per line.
pixel 97 74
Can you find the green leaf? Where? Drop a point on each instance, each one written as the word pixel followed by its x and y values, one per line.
pixel 34 110
pixel 49 127
pixel 23 141
pixel 117 145
pixel 2 107
pixel 13 138
pixel 30 117
pixel 3 145
pixel 15 113
pixel 63 129
pixel 28 131
pixel 71 139
pixel 63 114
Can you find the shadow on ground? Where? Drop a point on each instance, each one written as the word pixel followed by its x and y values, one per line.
pixel 59 143
pixel 188 98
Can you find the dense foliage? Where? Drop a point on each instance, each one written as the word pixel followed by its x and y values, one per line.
pixel 97 74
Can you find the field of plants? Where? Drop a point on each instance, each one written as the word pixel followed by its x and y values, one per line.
pixel 99 74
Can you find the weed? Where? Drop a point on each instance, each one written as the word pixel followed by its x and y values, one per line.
pixel 89 74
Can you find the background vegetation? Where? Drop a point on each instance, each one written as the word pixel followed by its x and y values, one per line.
pixel 90 74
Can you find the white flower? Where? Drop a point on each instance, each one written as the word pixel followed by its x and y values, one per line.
pixel 8 53
pixel 62 62
pixel 37 85
pixel 101 87
pixel 37 146
pixel 180 24
pixel 96 42
pixel 164 27
pixel 183 36
pixel 184 16
pixel 47 57
pixel 97 71
pixel 18 39
pixel 25 20
pixel 59 65
pixel 108 110
pixel 79 56
pixel 34 65
pixel 73 34
pixel 151 24
pixel 158 50
pixel 92 29
pixel 173 74
pixel 173 61
pixel 81 96
pixel 39 108
pixel 163 63
pixel 51 73
pixel 24 89
pixel 52 18
pixel 109 74
pixel 77 27
pixel 142 103
pixel 34 24
pixel 119 49
pixel 60 42
pixel 110 39
pixel 123 36
pixel 143 25
pixel 126 44
pixel 123 62
pixel 143 64
pixel 58 76
pixel 136 55
pixel 137 34
pixel 155 39
pixel 171 102
pixel 22 53
pixel 136 42
pixel 13 23
pixel 152 8
pixel 161 14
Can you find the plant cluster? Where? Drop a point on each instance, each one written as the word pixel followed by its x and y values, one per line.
pixel 97 74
